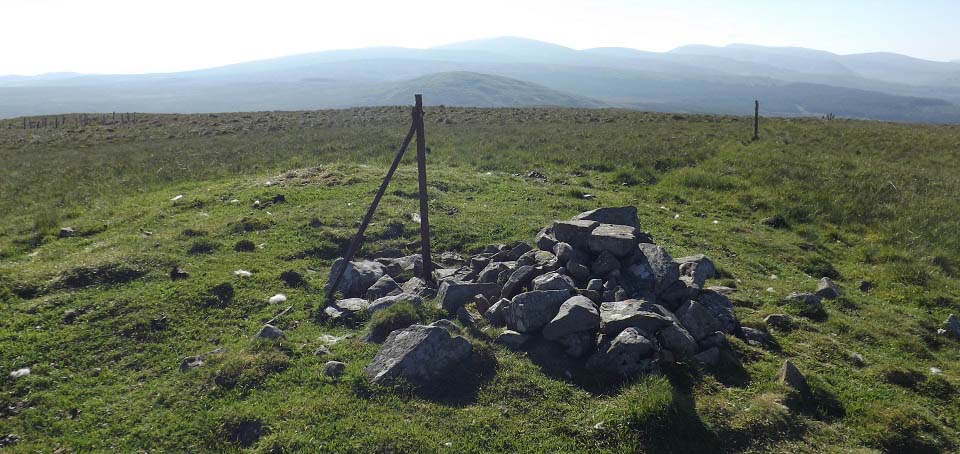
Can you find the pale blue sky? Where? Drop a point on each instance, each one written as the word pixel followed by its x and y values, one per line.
pixel 127 36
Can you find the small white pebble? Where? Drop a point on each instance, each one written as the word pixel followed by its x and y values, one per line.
pixel 448 444
pixel 278 298
pixel 771 290
pixel 176 198
pixel 205 215
pixel 268 183
pixel 716 221
pixel 663 207
pixel 256 203
pixel 242 273
pixel 20 372
pixel 935 371
pixel 234 201
pixel 774 277
pixel 676 216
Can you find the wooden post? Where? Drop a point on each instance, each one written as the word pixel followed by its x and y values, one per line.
pixel 355 243
pixel 756 119
pixel 422 180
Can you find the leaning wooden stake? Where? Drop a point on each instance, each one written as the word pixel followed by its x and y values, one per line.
pixel 427 266
pixel 355 244
pixel 756 119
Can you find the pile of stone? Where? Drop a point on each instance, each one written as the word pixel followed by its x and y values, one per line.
pixel 603 290
pixel 596 285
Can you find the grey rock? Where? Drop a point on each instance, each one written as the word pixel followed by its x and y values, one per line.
pixel 593 295
pixel 619 240
pixel 865 286
pixel 530 311
pixel 468 316
pixel 563 252
pixel 722 310
pixel 574 233
pixel 383 287
pixel 779 321
pixel 612 215
pixel 630 353
pixel 453 296
pixel 604 264
pixel 699 267
pixel 497 312
pixel 545 240
pixel 518 280
pixel 664 270
pixel 577 344
pixel 682 290
pixel 517 251
pixel 698 320
pixel 806 303
pixel 448 325
pixel 755 337
pixel 791 377
pixel 491 272
pixel 451 259
pixel 334 369
pixel 952 326
pixel 270 332
pixel 416 286
pixel 322 350
pixel 382 303
pixel 619 315
pixel 638 278
pixel 575 315
pixel 595 285
pixel 402 268
pixel 715 339
pixel 709 357
pixel 351 305
pixel 578 271
pixel 553 281
pixel 67 232
pixel 357 276
pixel 418 355
pixel 537 258
pixel 827 289
pixel 479 262
pixel 678 341
pixel 512 339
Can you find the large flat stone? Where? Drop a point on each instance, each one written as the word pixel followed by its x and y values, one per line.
pixel 453 295
pixel 530 311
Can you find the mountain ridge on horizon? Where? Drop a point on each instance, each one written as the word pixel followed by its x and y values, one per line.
pixel 791 81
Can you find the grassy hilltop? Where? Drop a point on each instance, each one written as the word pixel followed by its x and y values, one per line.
pixel 103 328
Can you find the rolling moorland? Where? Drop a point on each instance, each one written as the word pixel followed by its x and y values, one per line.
pixel 518 72
pixel 103 328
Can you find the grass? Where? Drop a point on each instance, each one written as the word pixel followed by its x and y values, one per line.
pixel 862 201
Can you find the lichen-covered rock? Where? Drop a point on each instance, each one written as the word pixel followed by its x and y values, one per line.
pixel 604 264
pixel 675 339
pixel 545 240
pixel 619 240
pixel 357 276
pixel 530 311
pixel 791 377
pixel 698 320
pixel 383 287
pixel 553 281
pixel 827 289
pixel 497 312
pixel 575 315
pixel 721 309
pixel 512 339
pixel 519 279
pixel 418 355
pixel 382 303
pixel 630 353
pixel 779 321
pixel 619 315
pixel 664 270
pixel 698 267
pixel 574 233
pixel 453 295
pixel 626 215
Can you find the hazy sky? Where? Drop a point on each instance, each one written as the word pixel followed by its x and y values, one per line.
pixel 131 36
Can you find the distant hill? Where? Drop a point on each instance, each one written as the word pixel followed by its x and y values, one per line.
pixel 511 71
